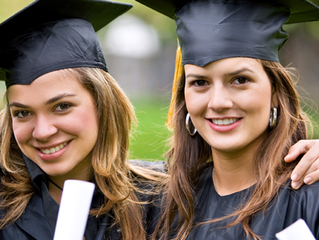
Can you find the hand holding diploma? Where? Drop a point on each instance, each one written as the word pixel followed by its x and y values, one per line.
pixel 74 210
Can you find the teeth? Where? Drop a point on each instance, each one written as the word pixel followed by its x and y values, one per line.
pixel 54 149
pixel 226 121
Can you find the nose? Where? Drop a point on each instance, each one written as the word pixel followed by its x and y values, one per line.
pixel 220 98
pixel 43 129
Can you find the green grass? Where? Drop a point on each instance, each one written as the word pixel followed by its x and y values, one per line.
pixel 150 140
pixel 313 116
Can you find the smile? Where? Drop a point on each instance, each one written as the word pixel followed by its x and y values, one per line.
pixel 223 122
pixel 54 149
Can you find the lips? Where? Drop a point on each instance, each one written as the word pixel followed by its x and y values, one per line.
pixel 54 149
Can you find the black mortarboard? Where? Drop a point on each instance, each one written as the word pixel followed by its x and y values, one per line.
pixel 49 35
pixel 209 30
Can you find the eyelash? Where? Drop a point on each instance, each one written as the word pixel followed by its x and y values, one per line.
pixel 62 103
pixel 18 112
pixel 195 83
pixel 243 78
pixel 203 82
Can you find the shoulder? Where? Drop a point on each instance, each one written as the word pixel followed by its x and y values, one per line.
pixel 307 192
pixel 303 203
pixel 148 177
pixel 148 172
pixel 158 166
pixel 304 198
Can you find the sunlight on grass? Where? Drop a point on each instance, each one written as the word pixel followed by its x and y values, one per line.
pixel 149 141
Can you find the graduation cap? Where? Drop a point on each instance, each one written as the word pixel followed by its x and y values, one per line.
pixel 49 35
pixel 209 30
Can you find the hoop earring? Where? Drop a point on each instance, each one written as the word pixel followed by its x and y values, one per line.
pixel 273 117
pixel 187 126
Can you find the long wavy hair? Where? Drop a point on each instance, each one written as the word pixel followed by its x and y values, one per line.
pixel 188 157
pixel 112 173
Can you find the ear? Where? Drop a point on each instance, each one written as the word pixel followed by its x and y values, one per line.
pixel 274 100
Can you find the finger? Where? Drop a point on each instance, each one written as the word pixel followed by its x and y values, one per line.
pixel 296 185
pixel 310 176
pixel 299 148
pixel 305 165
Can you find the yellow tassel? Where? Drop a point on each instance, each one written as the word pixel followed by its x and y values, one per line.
pixel 177 74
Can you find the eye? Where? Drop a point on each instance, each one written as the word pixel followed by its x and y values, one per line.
pixel 62 107
pixel 240 80
pixel 21 114
pixel 199 83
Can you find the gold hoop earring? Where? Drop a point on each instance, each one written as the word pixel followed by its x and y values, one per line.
pixel 187 126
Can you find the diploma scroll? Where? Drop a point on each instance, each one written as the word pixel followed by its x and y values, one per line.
pixel 74 210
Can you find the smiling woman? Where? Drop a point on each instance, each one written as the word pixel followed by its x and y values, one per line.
pixel 238 84
pixel 52 129
pixel 235 114
pixel 65 118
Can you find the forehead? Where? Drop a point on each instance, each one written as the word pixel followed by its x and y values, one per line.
pixel 227 65
pixel 46 86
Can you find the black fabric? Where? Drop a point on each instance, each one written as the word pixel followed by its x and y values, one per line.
pixel 209 30
pixel 39 218
pixel 50 35
pixel 285 209
pixel 301 10
pixel 61 44
pixel 50 206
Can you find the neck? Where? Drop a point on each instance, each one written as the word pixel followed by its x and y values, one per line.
pixel 228 180
pixel 233 172
pixel 56 182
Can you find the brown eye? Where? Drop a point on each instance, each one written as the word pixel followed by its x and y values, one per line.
pixel 199 83
pixel 21 114
pixel 62 107
pixel 240 80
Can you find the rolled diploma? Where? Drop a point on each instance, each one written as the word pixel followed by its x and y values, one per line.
pixel 74 210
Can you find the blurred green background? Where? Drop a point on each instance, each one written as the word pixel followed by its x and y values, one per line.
pixel 147 81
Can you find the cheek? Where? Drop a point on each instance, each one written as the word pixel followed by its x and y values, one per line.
pixel 84 120
pixel 195 103
pixel 260 106
pixel 21 132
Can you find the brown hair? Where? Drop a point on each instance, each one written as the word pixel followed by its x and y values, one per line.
pixel 109 157
pixel 188 157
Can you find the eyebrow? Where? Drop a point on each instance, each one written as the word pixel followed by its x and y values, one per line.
pixel 51 100
pixel 58 97
pixel 239 71
pixel 195 76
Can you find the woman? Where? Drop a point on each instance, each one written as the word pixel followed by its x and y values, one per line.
pixel 65 118
pixel 235 115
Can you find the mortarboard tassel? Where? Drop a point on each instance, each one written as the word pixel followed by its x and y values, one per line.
pixel 177 74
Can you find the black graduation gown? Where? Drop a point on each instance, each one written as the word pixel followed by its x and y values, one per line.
pixel 285 209
pixel 39 218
